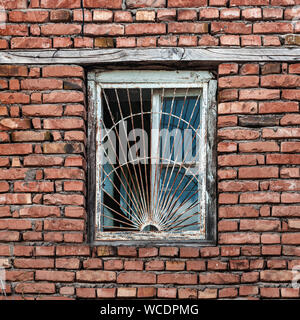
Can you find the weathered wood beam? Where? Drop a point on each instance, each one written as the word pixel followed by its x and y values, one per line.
pixel 107 56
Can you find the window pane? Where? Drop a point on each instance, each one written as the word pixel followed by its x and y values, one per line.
pixel 179 126
pixel 178 202
pixel 125 181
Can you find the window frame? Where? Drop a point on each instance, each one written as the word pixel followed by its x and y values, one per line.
pixel 101 78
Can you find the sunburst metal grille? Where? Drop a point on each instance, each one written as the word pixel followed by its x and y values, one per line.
pixel 151 178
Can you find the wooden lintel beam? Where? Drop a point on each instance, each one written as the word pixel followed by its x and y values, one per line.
pixel 109 56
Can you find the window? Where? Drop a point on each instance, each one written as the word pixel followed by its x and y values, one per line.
pixel 152 166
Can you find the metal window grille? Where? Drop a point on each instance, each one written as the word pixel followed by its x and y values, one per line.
pixel 152 155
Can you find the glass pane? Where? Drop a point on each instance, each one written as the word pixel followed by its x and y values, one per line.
pixel 125 169
pixel 178 201
pixel 179 126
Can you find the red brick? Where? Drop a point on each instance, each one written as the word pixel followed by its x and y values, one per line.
pixel 177 278
pixel 290 173
pixel 126 292
pixel 168 293
pixel 134 265
pixel 15 198
pixel 31 43
pixel 145 3
pixel 273 13
pixel 63 71
pixel 259 225
pixel 290 147
pixel 62 43
pixel 189 252
pixel 207 294
pixel 187 15
pixel 195 265
pixel 123 16
pixel 228 68
pixel 282 80
pixel 175 265
pixel 43 161
pixel 227 147
pixel 238 134
pixel 127 251
pixel 106 292
pixel 14 30
pixel 8 236
pixel 156 265
pixel 186 3
pixel 30 16
pixel 126 42
pixel 35 288
pixel 187 41
pixel 59 199
pixel 60 29
pixel 95 276
pixel 238 186
pixel 261 197
pixel 63 96
pixel 86 292
pixel 56 276
pixel 33 186
pixel 216 265
pixel 187 27
pixel 259 94
pixel 10 71
pixel 73 251
pixel 146 292
pixel 64 225
pixel 230 14
pixel 228 293
pixel 136 277
pixel 227 121
pixel 167 41
pixel 248 290
pixel 230 40
pixel 30 263
pixel 187 293
pixel 289 292
pixel 240 160
pixel 231 27
pixel 209 252
pixel 278 107
pixel 290 119
pixel 168 251
pixel 60 4
pixel 148 252
pixel 115 264
pixel 252 14
pixel 145 28
pixel 285 185
pixel 230 251
pixel 272 27
pixel 67 263
pixel 281 133
pixel 283 159
pixel 258 147
pixel 269 292
pixel 239 82
pixel 218 278
pixel 258 172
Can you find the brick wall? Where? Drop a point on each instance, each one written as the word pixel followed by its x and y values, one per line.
pixel 43 220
